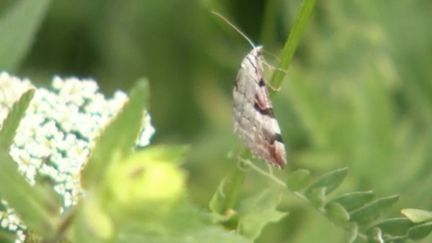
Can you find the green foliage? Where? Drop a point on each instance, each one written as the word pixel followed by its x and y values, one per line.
pixel 227 193
pixel 417 215
pixel 298 179
pixel 33 204
pixel 326 183
pixel 353 200
pixel 139 196
pixel 6 236
pixel 357 95
pixel 116 143
pixel 293 41
pixel 11 123
pixel 19 27
pixel 258 211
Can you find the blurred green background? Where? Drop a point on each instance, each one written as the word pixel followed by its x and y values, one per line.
pixel 358 93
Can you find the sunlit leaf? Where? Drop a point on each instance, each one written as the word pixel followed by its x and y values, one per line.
pixel 417 215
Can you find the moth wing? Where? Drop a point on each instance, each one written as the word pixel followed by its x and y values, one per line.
pixel 253 114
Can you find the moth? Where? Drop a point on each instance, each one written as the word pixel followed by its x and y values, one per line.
pixel 253 117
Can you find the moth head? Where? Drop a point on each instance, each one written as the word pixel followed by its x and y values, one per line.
pixel 257 51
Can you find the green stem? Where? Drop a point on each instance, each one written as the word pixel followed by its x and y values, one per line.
pixel 264 173
pixel 292 42
pixel 269 27
pixel 232 195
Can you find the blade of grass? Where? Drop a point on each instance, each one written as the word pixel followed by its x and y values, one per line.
pixel 18 27
pixel 269 25
pixel 292 42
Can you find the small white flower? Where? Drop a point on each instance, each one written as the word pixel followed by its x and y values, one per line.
pixel 55 136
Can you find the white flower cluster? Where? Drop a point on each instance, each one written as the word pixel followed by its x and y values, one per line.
pixel 55 136
pixel 11 89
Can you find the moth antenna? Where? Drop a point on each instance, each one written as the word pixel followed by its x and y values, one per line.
pixel 234 27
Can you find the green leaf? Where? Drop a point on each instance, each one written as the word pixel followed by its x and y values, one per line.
pixel 34 205
pixel 298 179
pixel 353 233
pixel 227 192
pixel 256 212
pixel 417 215
pixel 118 139
pixel 419 232
pixel 329 182
pixel 292 42
pixel 11 122
pixel 7 236
pixel 372 210
pixel 354 200
pixel 375 235
pixel 336 213
pixel 394 226
pixel 18 27
pixel 317 197
pixel 187 223
pixel 210 234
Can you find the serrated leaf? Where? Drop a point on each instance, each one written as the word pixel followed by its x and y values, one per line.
pixel 394 226
pixel 258 211
pixel 417 215
pixel 372 210
pixel 18 27
pixel 118 138
pixel 227 192
pixel 354 200
pixel 11 122
pixel 329 181
pixel 336 213
pixel 419 232
pixel 298 179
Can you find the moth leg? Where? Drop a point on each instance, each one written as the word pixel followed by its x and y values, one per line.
pixel 273 68
pixel 270 169
pixel 243 163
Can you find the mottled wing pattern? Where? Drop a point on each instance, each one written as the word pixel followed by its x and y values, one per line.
pixel 254 121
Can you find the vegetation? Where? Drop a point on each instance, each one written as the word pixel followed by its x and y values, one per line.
pixel 354 104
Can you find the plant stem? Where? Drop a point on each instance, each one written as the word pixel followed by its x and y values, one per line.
pixel 292 42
